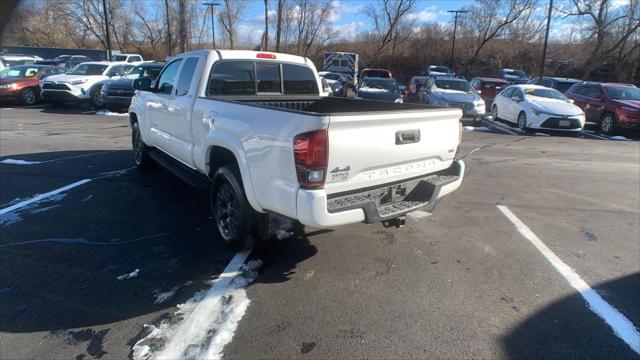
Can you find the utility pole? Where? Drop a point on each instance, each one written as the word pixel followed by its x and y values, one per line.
pixel 455 27
pixel 546 39
pixel 106 28
pixel 213 27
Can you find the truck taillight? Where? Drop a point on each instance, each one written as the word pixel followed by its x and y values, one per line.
pixel 311 154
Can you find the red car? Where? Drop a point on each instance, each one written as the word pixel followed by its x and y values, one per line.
pixel 378 73
pixel 488 88
pixel 21 83
pixel 611 105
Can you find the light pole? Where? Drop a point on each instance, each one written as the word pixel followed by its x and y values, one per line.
pixel 546 39
pixel 455 27
pixel 213 27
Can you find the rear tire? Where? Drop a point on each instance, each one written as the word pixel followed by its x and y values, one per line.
pixel 608 124
pixel 234 217
pixel 140 149
pixel 28 97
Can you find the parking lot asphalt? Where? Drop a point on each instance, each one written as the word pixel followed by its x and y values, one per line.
pixel 461 283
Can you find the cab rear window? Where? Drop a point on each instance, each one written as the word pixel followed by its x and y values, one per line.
pixel 261 78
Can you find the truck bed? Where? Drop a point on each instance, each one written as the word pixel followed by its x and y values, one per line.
pixel 325 105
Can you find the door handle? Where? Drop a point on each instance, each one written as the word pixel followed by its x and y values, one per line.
pixel 407 136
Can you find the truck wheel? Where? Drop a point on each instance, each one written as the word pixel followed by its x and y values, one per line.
pixel 140 149
pixel 231 210
pixel 28 97
pixel 608 124
pixel 96 99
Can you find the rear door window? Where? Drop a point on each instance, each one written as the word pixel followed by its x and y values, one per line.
pixel 186 75
pixel 233 78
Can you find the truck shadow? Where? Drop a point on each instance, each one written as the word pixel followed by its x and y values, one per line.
pixel 60 259
pixel 567 329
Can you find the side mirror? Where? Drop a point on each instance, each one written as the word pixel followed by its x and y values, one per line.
pixel 515 98
pixel 142 84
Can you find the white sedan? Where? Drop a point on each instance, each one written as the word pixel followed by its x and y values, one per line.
pixel 537 107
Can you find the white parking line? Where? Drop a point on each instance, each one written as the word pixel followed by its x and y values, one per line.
pixel 622 327
pixel 43 196
pixel 500 127
pixel 25 162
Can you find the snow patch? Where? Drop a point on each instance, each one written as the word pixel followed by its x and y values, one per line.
pixel 419 214
pixel 13 217
pixel 130 275
pixel 164 296
pixel 541 134
pixel 619 138
pixel 109 113
pixel 19 162
pixel 476 128
pixel 203 325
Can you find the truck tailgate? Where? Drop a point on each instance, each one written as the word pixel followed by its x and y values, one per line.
pixel 369 149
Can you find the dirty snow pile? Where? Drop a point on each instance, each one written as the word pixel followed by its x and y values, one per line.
pixel 130 275
pixel 202 326
pixel 618 137
pixel 419 214
pixel 15 216
pixel 109 113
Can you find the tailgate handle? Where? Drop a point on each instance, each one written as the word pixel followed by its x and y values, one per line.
pixel 407 136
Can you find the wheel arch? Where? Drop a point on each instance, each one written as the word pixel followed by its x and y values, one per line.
pixel 218 155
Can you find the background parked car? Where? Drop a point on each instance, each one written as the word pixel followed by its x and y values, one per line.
pixel 82 83
pixel 8 60
pixel 558 83
pixel 448 91
pixel 335 81
pixel 22 83
pixel 117 93
pixel 130 58
pixel 372 88
pixel 514 76
pixel 613 106
pixel 415 84
pixel 537 107
pixel 376 73
pixel 488 88
pixel 438 70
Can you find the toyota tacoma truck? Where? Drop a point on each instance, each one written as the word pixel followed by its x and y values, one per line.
pixel 253 127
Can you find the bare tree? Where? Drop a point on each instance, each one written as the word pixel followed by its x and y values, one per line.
pixel 265 35
pixel 233 10
pixel 608 30
pixel 491 18
pixel 310 16
pixel 182 25
pixel 168 41
pixel 280 10
pixel 386 16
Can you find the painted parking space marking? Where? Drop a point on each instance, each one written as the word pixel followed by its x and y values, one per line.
pixel 40 197
pixel 504 128
pixel 27 162
pixel 621 326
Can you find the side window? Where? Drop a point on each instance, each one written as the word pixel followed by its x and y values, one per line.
pixel 232 78
pixel 474 83
pixel 518 92
pixel 344 63
pixel 593 92
pixel 508 92
pixel 127 68
pixel 186 74
pixel 134 59
pixel 547 83
pixel 335 62
pixel 299 80
pixel 168 77
pixel 268 76
pixel 115 70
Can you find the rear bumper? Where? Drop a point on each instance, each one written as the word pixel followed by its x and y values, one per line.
pixel 315 208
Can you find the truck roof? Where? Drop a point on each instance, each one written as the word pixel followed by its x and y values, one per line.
pixel 251 55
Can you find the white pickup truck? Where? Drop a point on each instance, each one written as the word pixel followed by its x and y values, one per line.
pixel 252 127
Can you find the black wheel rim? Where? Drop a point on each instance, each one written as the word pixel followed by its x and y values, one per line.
pixel 227 214
pixel 29 97
pixel 137 146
